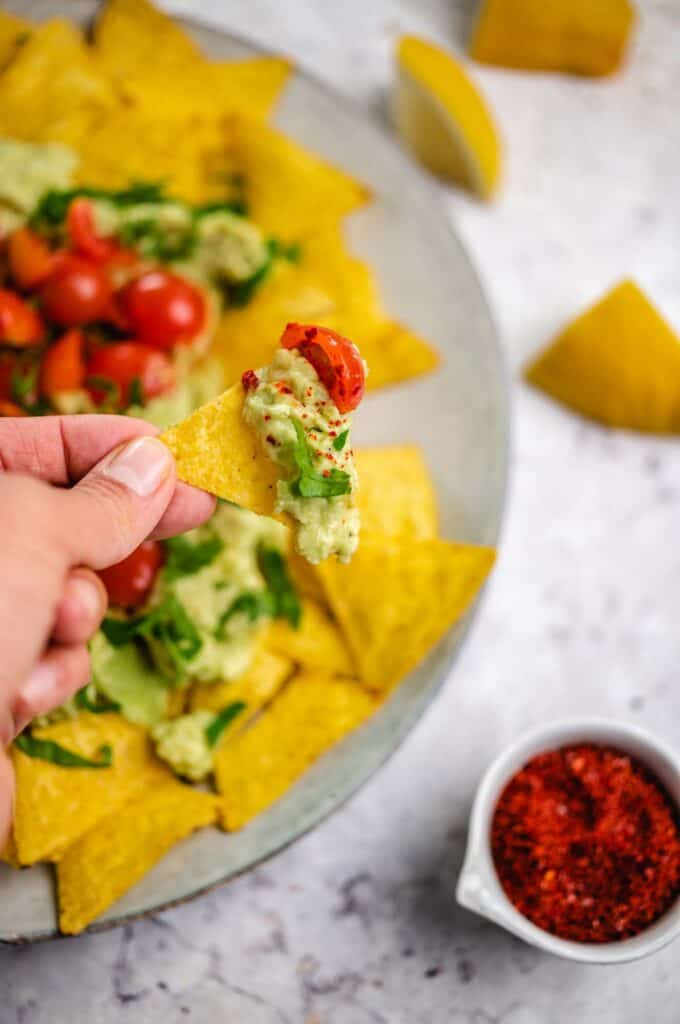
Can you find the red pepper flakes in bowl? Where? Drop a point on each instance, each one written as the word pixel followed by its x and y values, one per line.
pixel 586 844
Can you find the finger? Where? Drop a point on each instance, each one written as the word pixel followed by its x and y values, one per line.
pixel 55 678
pixel 116 506
pixel 189 508
pixel 6 797
pixel 81 608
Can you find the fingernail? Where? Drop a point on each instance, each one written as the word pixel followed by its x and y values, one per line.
pixel 141 465
pixel 39 691
pixel 86 597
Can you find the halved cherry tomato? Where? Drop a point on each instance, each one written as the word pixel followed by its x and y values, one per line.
pixel 163 309
pixel 30 259
pixel 63 366
pixel 78 293
pixel 123 363
pixel 11 409
pixel 84 238
pixel 336 360
pixel 128 583
pixel 20 325
pixel 8 364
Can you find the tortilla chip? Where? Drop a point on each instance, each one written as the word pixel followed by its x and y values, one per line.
pixel 256 687
pixel 397 354
pixel 103 864
pixel 397 598
pixel 55 805
pixel 618 363
pixel 52 88
pixel 133 35
pixel 215 450
pixel 12 31
pixel 313 713
pixel 317 643
pixel 9 854
pixel 396 494
pixel 305 578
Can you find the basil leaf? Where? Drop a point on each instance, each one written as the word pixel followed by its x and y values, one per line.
pixel 184 558
pixel 96 704
pixel 119 631
pixel 284 597
pixel 240 294
pixel 167 629
pixel 310 483
pixel 53 206
pixel 340 441
pixel 255 604
pixel 136 392
pixel 48 750
pixel 235 206
pixel 225 717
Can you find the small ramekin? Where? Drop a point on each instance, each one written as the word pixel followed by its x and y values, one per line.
pixel 478 886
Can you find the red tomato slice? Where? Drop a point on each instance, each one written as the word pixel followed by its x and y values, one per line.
pixel 129 583
pixel 11 409
pixel 63 366
pixel 336 360
pixel 78 293
pixel 20 325
pixel 123 363
pixel 164 309
pixel 84 238
pixel 30 259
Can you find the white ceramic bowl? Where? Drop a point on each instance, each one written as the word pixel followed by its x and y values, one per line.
pixel 478 887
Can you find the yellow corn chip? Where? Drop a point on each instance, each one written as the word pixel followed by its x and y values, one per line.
pixel 52 88
pixel 215 450
pixel 396 494
pixel 12 31
pixel 396 354
pixel 316 643
pixel 9 853
pixel 619 363
pixel 256 687
pixel 103 864
pixel 305 578
pixel 55 805
pixel 313 713
pixel 133 35
pixel 576 36
pixel 398 597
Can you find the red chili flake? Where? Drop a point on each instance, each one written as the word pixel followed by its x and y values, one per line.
pixel 282 388
pixel 326 472
pixel 271 439
pixel 586 844
pixel 311 333
pixel 266 417
pixel 250 380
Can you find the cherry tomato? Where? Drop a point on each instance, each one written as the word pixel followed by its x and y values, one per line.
pixel 30 259
pixel 123 363
pixel 128 583
pixel 63 367
pixel 78 293
pixel 20 325
pixel 8 364
pixel 163 309
pixel 336 360
pixel 11 409
pixel 84 238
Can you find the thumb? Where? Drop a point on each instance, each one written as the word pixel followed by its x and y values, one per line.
pixel 116 506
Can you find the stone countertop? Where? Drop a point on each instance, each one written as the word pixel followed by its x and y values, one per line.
pixel 356 923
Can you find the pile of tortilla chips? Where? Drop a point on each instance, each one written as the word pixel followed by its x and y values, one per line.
pixel 139 101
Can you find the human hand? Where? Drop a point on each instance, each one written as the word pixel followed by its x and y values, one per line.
pixel 52 535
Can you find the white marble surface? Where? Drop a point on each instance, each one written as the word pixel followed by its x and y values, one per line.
pixel 356 923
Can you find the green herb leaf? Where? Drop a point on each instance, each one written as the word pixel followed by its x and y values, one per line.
pixel 52 207
pixel 225 717
pixel 88 699
pixel 24 382
pixel 184 558
pixel 255 604
pixel 136 392
pixel 279 585
pixel 166 625
pixel 48 750
pixel 236 206
pixel 310 483
pixel 340 441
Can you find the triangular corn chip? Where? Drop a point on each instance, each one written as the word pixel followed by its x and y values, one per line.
pixel 9 853
pixel 619 363
pixel 55 805
pixel 315 643
pixel 313 712
pixel 305 578
pixel 397 598
pixel 133 35
pixel 102 865
pixel 12 31
pixel 255 688
pixel 398 471
pixel 215 450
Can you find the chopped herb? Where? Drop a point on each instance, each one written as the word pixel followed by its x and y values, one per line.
pixel 48 750
pixel 225 717
pixel 183 558
pixel 254 604
pixel 136 393
pixel 310 483
pixel 340 441
pixel 285 600
pixel 53 206
pixel 23 383
pixel 236 206
pixel 166 626
pixel 88 699
pixel 240 294
pixel 133 232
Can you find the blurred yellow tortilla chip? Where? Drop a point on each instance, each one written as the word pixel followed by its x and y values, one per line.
pixel 312 713
pixel 55 805
pixel 619 363
pixel 9 853
pixel 109 859
pixel 52 88
pixel 396 354
pixel 133 35
pixel 255 688
pixel 397 598
pixel 215 450
pixel 316 643
pixel 396 494
pixel 305 577
pixel 13 31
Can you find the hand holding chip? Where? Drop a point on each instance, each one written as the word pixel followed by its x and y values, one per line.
pixel 77 493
